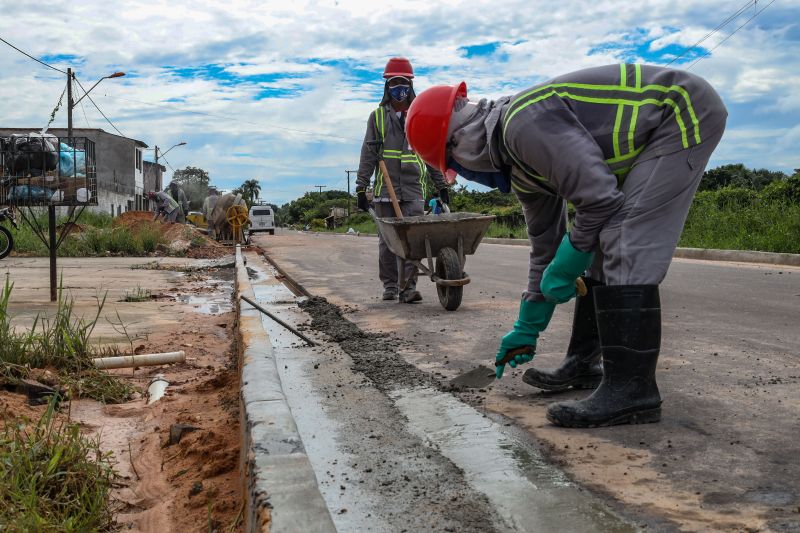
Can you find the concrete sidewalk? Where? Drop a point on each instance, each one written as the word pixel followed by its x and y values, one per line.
pixel 89 280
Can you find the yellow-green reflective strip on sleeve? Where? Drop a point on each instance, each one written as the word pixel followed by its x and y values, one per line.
pixel 622 75
pixel 638 69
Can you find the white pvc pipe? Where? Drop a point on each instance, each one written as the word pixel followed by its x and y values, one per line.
pixel 149 359
pixel 157 388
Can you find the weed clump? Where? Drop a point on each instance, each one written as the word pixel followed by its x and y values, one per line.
pixel 61 343
pixel 52 478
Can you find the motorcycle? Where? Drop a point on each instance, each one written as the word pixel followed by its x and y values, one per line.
pixel 6 240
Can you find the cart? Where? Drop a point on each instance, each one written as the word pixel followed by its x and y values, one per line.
pixel 449 237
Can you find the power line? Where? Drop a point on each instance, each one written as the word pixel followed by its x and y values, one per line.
pixel 86 94
pixel 83 109
pixel 757 13
pixel 30 56
pixel 715 30
pixel 234 119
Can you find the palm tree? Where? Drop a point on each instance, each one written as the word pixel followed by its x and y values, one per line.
pixel 251 190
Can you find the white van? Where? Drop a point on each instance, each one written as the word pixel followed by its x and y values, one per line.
pixel 262 219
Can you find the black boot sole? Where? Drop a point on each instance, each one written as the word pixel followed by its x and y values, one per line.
pixel 578 382
pixel 645 416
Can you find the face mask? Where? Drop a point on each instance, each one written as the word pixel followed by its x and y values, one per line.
pixel 495 180
pixel 399 93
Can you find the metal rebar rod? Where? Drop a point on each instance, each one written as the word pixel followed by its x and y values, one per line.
pixel 278 320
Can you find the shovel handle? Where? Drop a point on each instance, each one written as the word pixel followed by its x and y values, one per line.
pixel 390 188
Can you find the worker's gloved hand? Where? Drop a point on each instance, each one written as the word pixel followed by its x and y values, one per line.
pixel 558 281
pixel 363 204
pixel 444 195
pixel 533 319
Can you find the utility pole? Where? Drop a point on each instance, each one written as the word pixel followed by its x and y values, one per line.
pixel 348 189
pixel 51 209
pixel 320 187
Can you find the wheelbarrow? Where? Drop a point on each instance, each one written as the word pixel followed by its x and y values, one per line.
pixel 448 237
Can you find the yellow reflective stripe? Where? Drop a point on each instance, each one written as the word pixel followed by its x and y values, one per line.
pixel 380 122
pixel 632 127
pixel 638 68
pixel 622 75
pixel 635 90
pixel 623 157
pixel 518 187
pixel 615 135
pixel 595 100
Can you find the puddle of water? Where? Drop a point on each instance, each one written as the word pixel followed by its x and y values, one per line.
pixel 528 493
pixel 208 305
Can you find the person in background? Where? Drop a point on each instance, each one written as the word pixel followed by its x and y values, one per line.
pixel 165 205
pixel 386 139
pixel 435 204
pixel 208 207
pixel 177 194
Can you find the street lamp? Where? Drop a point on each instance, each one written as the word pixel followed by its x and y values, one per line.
pixel 71 104
pixel 165 153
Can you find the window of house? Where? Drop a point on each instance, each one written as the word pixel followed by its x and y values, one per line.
pixel 138 159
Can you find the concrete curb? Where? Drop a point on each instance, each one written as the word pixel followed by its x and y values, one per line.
pixel 280 489
pixel 706 254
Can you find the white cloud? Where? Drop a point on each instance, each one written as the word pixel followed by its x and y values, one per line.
pixel 311 47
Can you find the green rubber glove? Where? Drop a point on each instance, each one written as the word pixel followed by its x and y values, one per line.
pixel 533 319
pixel 558 281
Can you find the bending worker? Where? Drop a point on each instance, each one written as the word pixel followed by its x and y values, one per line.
pixel 208 207
pixel 165 205
pixel 627 146
pixel 386 139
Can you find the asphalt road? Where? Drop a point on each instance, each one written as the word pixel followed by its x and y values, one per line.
pixel 724 456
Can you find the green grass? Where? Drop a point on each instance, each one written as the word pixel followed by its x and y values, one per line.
pixel 137 294
pixel 507 232
pixel 93 241
pixel 743 224
pixel 52 478
pixel 60 342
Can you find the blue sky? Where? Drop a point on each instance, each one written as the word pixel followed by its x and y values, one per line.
pixel 281 91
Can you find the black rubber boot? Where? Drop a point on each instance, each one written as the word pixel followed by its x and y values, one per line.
pixel 581 367
pixel 629 324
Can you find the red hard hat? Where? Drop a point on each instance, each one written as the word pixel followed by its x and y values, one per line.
pixel 428 120
pixel 398 66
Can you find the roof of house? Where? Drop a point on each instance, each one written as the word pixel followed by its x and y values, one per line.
pixel 76 133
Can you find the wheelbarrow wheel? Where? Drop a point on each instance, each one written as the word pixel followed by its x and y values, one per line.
pixel 449 267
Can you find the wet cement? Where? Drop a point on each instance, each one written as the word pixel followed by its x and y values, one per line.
pixel 506 483
pixel 374 474
pixel 373 354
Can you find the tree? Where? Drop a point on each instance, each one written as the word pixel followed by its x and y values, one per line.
pixel 250 190
pixel 738 176
pixel 194 182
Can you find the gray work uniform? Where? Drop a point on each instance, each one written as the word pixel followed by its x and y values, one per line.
pixel 625 144
pixel 167 206
pixel 208 207
pixel 408 174
pixel 182 203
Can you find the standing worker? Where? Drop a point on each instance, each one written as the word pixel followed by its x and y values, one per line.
pixel 208 207
pixel 627 146
pixel 179 196
pixel 165 205
pixel 386 139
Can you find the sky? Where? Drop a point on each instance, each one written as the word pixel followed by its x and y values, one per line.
pixel 281 91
